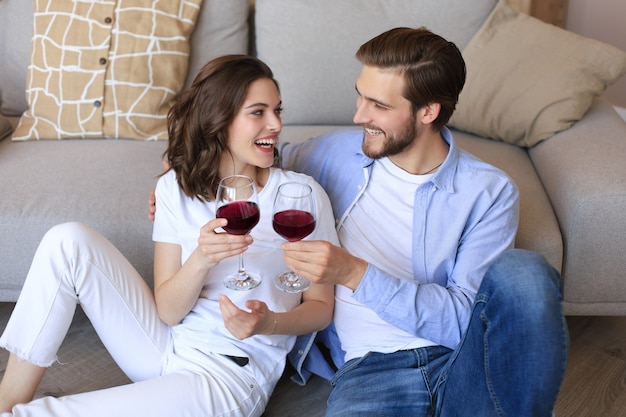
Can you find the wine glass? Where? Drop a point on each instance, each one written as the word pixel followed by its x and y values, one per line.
pixel 293 219
pixel 237 202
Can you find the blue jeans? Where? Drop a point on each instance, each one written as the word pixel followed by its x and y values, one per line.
pixel 510 362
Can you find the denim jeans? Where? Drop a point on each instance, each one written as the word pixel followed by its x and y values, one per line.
pixel 510 362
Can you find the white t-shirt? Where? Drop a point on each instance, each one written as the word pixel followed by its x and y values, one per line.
pixel 178 220
pixel 370 219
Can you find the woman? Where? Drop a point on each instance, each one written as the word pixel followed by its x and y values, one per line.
pixel 193 347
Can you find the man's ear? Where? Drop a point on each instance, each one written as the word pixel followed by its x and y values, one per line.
pixel 429 113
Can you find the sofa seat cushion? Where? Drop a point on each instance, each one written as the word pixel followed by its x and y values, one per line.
pixel 103 183
pixel 538 228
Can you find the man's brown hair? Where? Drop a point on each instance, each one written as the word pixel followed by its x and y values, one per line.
pixel 433 68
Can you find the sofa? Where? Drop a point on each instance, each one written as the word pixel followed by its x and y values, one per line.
pixel 532 105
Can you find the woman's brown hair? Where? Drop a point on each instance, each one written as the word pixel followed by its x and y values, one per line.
pixel 199 119
pixel 433 68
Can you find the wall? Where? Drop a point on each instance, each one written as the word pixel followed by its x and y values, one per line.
pixel 602 20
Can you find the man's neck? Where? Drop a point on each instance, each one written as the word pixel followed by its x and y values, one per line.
pixel 424 156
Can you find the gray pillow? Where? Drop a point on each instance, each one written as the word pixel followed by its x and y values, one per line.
pixel 16 30
pixel 5 128
pixel 310 45
pixel 222 28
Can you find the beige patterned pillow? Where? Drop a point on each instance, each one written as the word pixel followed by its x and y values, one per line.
pixel 105 69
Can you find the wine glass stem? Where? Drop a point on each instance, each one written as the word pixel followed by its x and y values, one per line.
pixel 292 278
pixel 242 270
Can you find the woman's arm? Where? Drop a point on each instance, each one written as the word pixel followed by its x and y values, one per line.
pixel 314 313
pixel 177 287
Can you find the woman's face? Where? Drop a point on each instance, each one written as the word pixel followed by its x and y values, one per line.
pixel 254 131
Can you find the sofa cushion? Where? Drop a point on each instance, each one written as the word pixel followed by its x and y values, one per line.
pixel 105 69
pixel 527 80
pixel 310 45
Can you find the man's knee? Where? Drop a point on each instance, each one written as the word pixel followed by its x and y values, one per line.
pixel 524 266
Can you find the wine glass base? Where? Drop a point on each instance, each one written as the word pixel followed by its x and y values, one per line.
pixel 235 282
pixel 291 283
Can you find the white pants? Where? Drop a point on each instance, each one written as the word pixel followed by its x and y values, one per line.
pixel 75 264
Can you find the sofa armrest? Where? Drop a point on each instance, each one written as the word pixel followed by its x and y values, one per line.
pixel 583 170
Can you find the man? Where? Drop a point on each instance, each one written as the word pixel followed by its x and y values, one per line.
pixel 435 313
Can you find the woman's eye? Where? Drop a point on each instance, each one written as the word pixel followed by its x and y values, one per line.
pixel 279 111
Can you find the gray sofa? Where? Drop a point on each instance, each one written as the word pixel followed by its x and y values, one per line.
pixel 572 182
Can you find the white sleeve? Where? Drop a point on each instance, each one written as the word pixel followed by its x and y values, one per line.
pixel 167 210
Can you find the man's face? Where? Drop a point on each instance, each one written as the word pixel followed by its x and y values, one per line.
pixel 390 125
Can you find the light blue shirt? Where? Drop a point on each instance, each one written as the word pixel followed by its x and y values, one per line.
pixel 464 217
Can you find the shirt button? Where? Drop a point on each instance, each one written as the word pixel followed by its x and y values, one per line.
pixel 108 20
pixel 97 103
pixel 360 187
pixel 103 61
pixel 300 352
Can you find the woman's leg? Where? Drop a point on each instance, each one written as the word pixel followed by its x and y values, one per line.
pixel 75 264
pixel 512 359
pixel 224 389
pixel 22 378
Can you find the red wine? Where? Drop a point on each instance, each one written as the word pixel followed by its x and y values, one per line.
pixel 293 225
pixel 242 216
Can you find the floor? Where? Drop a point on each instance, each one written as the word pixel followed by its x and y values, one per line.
pixel 594 386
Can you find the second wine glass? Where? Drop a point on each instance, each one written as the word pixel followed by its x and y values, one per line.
pixel 293 218
pixel 237 201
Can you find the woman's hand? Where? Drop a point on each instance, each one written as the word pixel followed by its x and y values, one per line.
pixel 215 246
pixel 243 324
pixel 177 287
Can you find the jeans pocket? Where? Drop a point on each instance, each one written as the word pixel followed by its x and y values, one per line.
pixel 347 367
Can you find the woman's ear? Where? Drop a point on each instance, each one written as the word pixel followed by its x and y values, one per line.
pixel 429 113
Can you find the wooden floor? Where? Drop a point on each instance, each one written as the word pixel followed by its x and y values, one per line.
pixel 594 386
pixel 595 380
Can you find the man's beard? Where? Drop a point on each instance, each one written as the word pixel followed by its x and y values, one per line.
pixel 393 145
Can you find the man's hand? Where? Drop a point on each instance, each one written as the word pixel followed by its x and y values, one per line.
pixel 324 263
pixel 151 206
pixel 243 324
